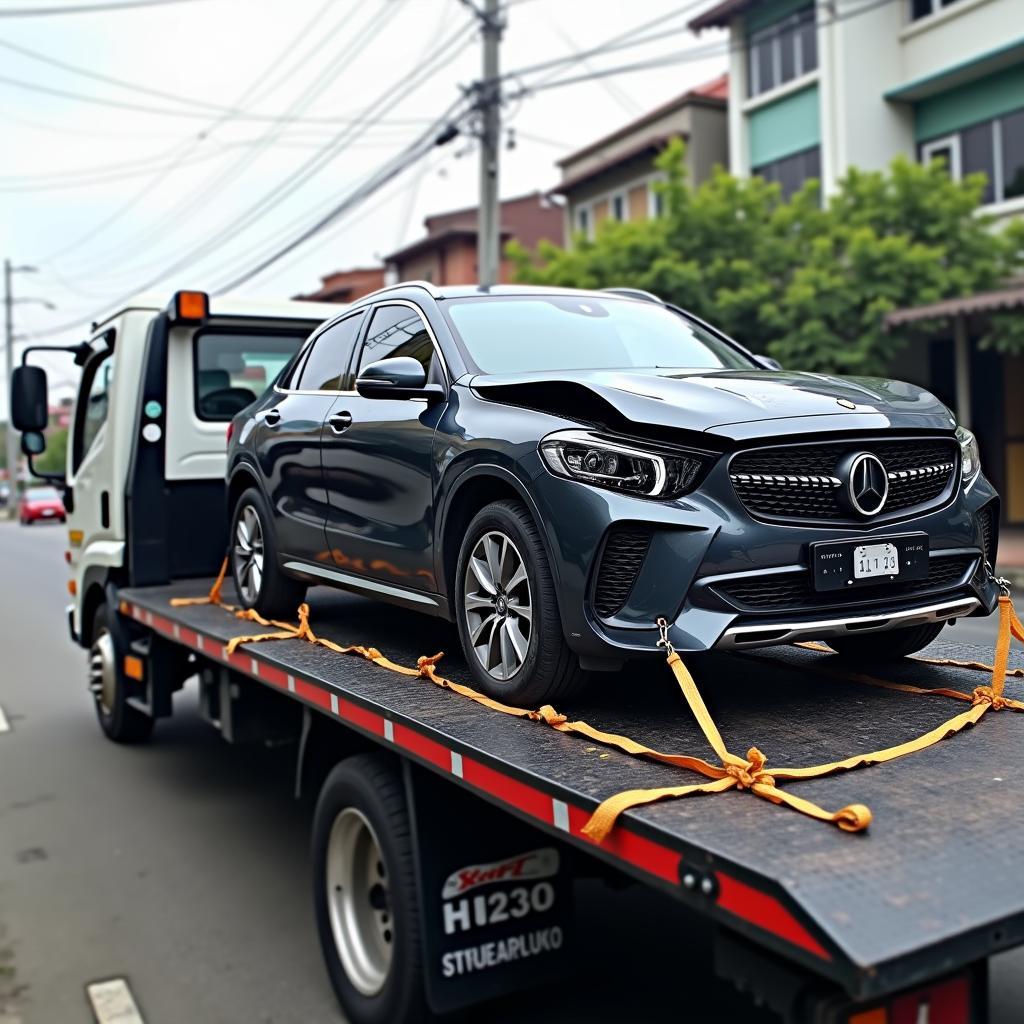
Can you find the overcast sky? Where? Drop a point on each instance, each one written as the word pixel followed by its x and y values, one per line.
pixel 105 200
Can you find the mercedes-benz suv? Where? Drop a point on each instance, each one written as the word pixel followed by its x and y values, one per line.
pixel 554 470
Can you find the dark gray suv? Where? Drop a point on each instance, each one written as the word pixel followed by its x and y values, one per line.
pixel 553 470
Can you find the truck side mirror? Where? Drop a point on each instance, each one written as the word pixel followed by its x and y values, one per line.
pixel 29 412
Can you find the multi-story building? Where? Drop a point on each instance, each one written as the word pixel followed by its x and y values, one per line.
pixel 448 253
pixel 820 86
pixel 612 178
pixel 346 285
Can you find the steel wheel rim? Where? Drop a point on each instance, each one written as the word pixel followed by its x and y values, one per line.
pixel 103 671
pixel 497 605
pixel 248 553
pixel 359 902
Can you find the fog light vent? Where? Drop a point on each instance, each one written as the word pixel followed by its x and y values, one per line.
pixel 621 560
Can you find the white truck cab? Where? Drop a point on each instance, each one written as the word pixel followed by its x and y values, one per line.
pixel 144 481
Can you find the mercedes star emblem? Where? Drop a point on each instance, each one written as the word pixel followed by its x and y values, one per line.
pixel 868 484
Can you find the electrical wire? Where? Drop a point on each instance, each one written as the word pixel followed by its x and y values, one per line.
pixel 35 12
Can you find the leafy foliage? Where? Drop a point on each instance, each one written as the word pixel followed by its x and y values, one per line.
pixel 808 283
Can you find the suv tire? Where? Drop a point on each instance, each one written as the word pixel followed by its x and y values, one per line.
pixel 255 567
pixel 890 645
pixel 507 611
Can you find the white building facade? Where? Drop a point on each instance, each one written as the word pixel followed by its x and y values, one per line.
pixel 818 87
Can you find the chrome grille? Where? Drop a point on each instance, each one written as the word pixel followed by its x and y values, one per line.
pixel 802 482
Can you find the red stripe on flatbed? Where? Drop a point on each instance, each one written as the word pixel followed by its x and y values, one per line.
pixel 508 790
pixel 314 694
pixel 428 749
pixel 368 720
pixel 765 911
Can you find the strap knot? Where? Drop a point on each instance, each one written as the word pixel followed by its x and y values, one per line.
pixel 304 632
pixel 752 772
pixel 372 653
pixel 549 715
pixel 425 663
pixel 986 695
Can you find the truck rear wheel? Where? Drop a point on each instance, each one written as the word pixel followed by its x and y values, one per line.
pixel 119 721
pixel 364 892
pixel 255 567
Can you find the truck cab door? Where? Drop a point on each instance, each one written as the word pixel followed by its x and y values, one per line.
pixel 288 436
pixel 378 463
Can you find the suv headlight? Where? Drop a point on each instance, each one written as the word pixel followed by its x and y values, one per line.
pixel 602 462
pixel 970 457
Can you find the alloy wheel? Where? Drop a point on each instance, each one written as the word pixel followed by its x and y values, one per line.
pixel 497 605
pixel 359 902
pixel 248 552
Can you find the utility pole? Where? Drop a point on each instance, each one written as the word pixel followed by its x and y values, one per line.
pixel 12 446
pixel 489 218
pixel 12 441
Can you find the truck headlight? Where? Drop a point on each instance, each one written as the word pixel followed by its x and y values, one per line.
pixel 970 457
pixel 598 460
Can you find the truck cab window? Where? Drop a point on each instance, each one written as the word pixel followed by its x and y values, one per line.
pixel 93 404
pixel 233 368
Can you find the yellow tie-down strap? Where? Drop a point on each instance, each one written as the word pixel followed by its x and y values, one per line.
pixel 733 772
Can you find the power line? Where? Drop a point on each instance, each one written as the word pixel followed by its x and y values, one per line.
pixel 33 12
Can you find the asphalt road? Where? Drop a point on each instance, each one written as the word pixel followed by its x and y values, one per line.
pixel 182 865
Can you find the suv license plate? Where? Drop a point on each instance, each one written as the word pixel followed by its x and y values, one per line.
pixel 844 564
pixel 875 560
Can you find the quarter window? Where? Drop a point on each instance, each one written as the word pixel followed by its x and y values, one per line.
pixel 93 405
pixel 329 357
pixel 398 331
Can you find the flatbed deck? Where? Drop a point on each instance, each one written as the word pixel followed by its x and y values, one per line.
pixel 934 883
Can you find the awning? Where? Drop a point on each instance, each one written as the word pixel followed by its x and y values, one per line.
pixel 981 302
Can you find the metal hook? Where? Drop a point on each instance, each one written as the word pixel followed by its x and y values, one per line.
pixel 663 640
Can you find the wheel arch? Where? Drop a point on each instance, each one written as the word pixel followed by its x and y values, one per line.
pixel 476 488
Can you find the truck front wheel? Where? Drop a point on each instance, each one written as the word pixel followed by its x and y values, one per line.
pixel 364 893
pixel 118 719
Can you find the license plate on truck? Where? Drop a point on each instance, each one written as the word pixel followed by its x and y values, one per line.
pixel 841 565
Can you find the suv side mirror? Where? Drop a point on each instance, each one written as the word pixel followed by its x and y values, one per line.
pixel 29 413
pixel 397 377
pixel 767 363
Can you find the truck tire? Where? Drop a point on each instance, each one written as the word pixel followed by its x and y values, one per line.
pixel 364 892
pixel 889 645
pixel 255 566
pixel 507 611
pixel 119 721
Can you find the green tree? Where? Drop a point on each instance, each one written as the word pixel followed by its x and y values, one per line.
pixel 807 283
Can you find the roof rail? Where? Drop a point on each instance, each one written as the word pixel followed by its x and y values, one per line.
pixel 425 285
pixel 636 293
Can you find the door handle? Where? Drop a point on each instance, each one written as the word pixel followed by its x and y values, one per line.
pixel 271 417
pixel 340 422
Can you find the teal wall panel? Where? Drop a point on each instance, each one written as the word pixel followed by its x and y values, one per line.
pixel 969 103
pixel 789 125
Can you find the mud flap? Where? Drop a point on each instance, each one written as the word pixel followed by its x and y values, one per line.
pixel 495 896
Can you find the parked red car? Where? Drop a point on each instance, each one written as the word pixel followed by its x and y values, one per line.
pixel 41 503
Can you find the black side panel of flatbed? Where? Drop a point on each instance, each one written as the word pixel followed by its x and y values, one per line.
pixel 934 883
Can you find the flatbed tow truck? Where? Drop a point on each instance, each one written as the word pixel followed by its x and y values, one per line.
pixel 447 834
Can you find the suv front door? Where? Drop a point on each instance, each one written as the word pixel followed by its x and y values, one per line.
pixel 378 463
pixel 289 434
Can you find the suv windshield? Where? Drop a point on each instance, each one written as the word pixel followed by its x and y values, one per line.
pixel 544 332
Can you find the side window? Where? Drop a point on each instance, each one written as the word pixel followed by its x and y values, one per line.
pixel 233 368
pixel 93 405
pixel 326 366
pixel 398 331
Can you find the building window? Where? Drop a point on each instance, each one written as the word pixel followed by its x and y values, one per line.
pixel 583 220
pixel 994 147
pixel 792 171
pixel 781 52
pixel 619 206
pixel 922 8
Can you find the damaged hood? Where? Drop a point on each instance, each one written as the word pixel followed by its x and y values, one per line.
pixel 734 404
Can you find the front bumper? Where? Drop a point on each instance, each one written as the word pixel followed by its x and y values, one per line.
pixel 705 541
